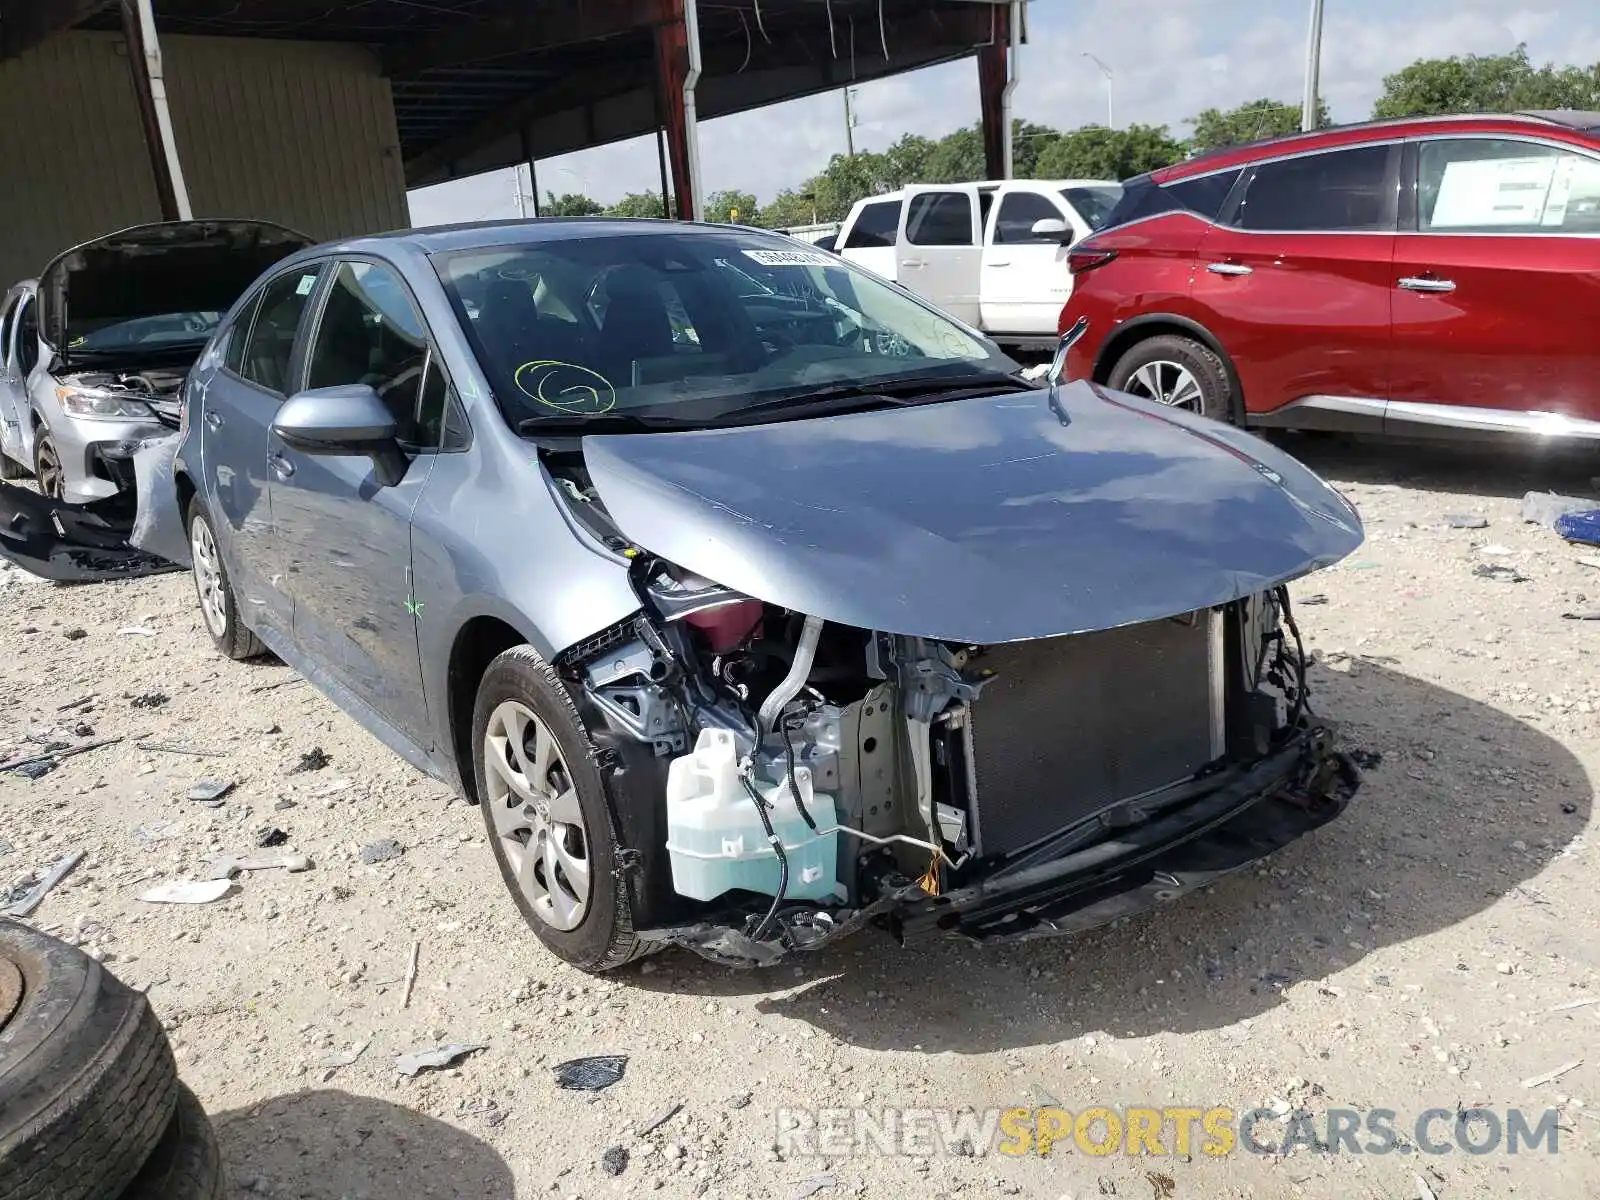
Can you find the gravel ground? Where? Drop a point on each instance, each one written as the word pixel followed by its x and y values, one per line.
pixel 1434 948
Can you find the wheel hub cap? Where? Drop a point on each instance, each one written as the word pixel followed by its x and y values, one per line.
pixel 1169 383
pixel 536 815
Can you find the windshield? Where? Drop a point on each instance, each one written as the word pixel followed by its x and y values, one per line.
pixel 167 329
pixel 1094 204
pixel 656 322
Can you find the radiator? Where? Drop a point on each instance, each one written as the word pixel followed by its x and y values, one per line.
pixel 1071 725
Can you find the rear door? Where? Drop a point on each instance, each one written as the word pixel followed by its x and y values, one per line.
pixel 940 256
pixel 236 412
pixel 1025 280
pixel 346 540
pixel 1295 280
pixel 1497 285
pixel 870 239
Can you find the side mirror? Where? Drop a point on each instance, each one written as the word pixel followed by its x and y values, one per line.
pixel 349 419
pixel 1051 229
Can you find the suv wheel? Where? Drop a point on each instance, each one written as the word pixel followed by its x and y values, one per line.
pixel 47 467
pixel 545 808
pixel 1177 371
pixel 218 608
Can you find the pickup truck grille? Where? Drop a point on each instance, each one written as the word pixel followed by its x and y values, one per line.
pixel 1072 725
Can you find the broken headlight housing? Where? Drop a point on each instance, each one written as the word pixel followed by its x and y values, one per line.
pixel 100 404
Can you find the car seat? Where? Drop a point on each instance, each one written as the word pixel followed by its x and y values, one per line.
pixel 637 325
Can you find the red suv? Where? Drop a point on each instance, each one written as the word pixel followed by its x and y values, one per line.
pixel 1429 276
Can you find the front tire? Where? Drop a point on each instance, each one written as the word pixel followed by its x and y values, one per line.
pixel 546 811
pixel 47 467
pixel 1180 372
pixel 219 609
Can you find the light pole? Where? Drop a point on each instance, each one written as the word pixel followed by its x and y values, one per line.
pixel 849 124
pixel 1308 109
pixel 1106 71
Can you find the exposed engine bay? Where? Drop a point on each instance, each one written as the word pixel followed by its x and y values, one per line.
pixel 159 387
pixel 812 777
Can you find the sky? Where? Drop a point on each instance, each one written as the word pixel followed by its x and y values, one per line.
pixel 1168 58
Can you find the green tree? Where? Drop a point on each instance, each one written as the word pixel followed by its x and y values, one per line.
pixel 570 205
pixel 1095 152
pixel 1485 83
pixel 1215 129
pixel 638 204
pixel 732 207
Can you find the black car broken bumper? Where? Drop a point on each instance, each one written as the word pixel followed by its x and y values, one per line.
pixel 1249 813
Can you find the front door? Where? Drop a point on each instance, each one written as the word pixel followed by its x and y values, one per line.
pixel 1497 287
pixel 1295 283
pixel 13 388
pixel 939 255
pixel 1025 282
pixel 347 540
pixel 236 408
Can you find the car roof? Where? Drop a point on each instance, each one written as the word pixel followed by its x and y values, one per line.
pixel 474 235
pixel 1573 120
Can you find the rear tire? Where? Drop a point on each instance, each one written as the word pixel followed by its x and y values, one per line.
pixel 1180 372
pixel 521 703
pixel 219 609
pixel 87 1080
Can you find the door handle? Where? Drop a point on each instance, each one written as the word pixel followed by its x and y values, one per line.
pixel 213 419
pixel 1228 268
pixel 1426 283
pixel 281 466
pixel 913 262
pixel 1003 263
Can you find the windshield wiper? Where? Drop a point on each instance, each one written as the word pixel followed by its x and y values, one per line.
pixel 607 422
pixel 896 392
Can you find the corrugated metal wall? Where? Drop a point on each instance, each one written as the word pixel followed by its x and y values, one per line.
pixel 295 132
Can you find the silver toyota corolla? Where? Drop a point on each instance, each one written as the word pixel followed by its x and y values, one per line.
pixel 93 355
pixel 751 599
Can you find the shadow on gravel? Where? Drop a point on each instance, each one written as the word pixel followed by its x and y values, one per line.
pixel 1476 469
pixel 331 1145
pixel 1463 809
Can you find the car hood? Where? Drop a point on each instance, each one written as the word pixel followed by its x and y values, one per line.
pixel 150 270
pixel 983 520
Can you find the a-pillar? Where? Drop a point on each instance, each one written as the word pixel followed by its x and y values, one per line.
pixel 675 55
pixel 993 76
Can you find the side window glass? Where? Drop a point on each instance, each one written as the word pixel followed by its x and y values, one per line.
pixel 270 344
pixel 1019 212
pixel 1204 196
pixel 440 410
pixel 875 227
pixel 940 219
pixel 5 334
pixel 371 333
pixel 27 335
pixel 1339 191
pixel 238 334
pixel 1495 185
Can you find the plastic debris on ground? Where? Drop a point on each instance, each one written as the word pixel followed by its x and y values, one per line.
pixel 660 1119
pixel 429 1057
pixel 817 1183
pixel 229 865
pixel 136 631
pixel 23 905
pixel 314 759
pixel 1500 572
pixel 1545 508
pixel 341 1058
pixel 1465 521
pixel 614 1161
pixel 1552 1076
pixel 381 851
pixel 210 791
pixel 1581 527
pixel 271 836
pixel 592 1074
pixel 1583 614
pixel 198 891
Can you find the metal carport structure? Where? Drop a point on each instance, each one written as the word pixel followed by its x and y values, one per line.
pixel 321 114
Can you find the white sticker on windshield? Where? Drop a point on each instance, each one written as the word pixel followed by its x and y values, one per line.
pixel 789 258
pixel 307 282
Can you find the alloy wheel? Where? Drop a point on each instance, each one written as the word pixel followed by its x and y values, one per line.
pixel 1169 383
pixel 208 578
pixel 47 470
pixel 536 815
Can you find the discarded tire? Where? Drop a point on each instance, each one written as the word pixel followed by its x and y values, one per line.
pixel 88 1085
pixel 186 1164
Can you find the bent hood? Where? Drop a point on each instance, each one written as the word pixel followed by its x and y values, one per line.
pixel 979 521
pixel 152 270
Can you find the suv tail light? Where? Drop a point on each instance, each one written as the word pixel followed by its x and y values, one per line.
pixel 1084 259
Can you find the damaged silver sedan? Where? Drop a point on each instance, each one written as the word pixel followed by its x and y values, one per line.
pixel 754 601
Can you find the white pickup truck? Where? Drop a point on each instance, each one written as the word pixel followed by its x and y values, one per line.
pixel 991 254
